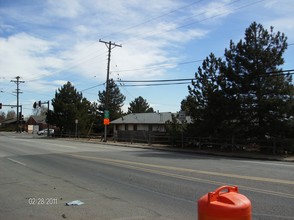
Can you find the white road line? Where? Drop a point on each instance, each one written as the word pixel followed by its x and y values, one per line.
pixel 15 161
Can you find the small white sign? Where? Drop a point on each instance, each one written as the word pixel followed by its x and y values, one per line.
pixel 182 115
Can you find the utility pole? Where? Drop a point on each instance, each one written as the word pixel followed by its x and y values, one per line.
pixel 17 81
pixel 110 45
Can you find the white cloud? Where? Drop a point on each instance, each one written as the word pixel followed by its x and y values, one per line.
pixel 211 12
pixel 59 83
pixel 90 59
pixel 71 54
pixel 54 42
pixel 277 6
pixel 217 8
pixel 64 8
pixel 5 28
pixel 281 17
pixel 84 31
pixel 284 24
pixel 28 56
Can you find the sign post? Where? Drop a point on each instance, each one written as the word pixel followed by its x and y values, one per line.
pixel 106 122
pixel 76 122
pixel 182 118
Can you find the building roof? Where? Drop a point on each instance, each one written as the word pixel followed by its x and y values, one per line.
pixel 9 121
pixel 144 118
pixel 39 119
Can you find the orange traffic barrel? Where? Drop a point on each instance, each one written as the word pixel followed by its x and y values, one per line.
pixel 225 203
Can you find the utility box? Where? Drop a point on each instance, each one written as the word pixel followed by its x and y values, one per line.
pixel 35 129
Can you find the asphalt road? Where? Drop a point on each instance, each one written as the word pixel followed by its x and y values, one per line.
pixel 38 176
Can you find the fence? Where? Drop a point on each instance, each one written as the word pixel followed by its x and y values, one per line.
pixel 268 146
pixel 142 137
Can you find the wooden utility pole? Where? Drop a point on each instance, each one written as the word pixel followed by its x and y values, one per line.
pixel 17 81
pixel 110 45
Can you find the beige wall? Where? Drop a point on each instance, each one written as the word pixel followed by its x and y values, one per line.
pixel 140 127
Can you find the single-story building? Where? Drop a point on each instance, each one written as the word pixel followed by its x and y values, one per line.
pixel 142 122
pixel 11 124
pixel 141 125
pixel 36 123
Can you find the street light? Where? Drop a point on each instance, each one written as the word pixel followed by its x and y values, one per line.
pixel 7 93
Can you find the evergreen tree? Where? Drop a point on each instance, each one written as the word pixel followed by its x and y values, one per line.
pixel 207 103
pixel 69 105
pixel 245 94
pixel 252 70
pixel 139 105
pixel 188 105
pixel 174 128
pixel 115 101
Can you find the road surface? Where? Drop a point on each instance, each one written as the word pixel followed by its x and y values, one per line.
pixel 38 176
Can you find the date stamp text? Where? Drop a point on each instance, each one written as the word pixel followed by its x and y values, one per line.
pixel 42 201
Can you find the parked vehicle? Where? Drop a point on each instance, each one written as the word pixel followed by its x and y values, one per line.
pixel 44 132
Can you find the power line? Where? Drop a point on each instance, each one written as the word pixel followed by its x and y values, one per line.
pixel 128 28
pixel 160 16
pixel 131 27
pixel 127 92
pixel 134 26
pixel 159 82
pixel 220 14
pixel 155 84
pixel 179 27
pixel 160 66
pixel 154 18
pixel 92 87
pixel 156 80
pixel 69 67
pixel 199 21
pixel 279 73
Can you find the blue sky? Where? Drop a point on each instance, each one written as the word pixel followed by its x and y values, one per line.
pixel 50 42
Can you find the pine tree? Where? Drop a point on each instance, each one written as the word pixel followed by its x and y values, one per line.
pixel 252 70
pixel 139 105
pixel 115 101
pixel 206 101
pixel 246 94
pixel 69 105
